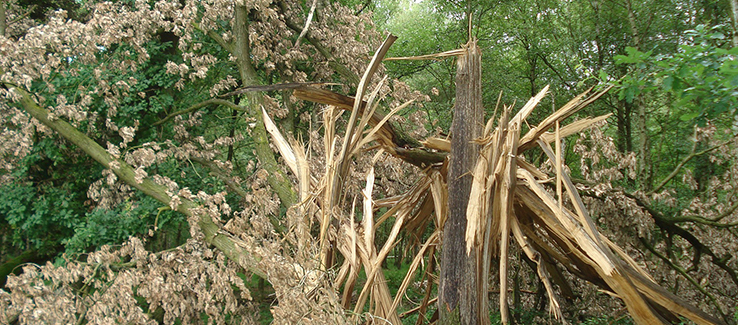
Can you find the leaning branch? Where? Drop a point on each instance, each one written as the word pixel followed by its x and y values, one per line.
pixel 307 23
pixel 670 226
pixel 126 173
pixel 710 222
pixel 19 17
pixel 216 37
pixel 240 48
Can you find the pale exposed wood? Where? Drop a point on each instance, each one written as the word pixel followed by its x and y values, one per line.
pixel 437 144
pixel 410 311
pixel 338 171
pixel 528 107
pixel 432 240
pixel 394 141
pixel 370 136
pixel 534 256
pixel 368 218
pixel 574 105
pixel 284 147
pixel 506 213
pixel 507 198
pixel 574 127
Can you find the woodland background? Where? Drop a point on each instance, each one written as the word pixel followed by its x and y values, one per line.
pixel 151 84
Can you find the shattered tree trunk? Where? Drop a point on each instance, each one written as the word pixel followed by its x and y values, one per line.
pixel 459 278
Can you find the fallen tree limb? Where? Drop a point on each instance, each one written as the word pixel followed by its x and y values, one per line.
pixel 126 173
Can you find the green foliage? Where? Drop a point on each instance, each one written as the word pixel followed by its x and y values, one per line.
pixel 49 212
pixel 701 77
pixel 421 30
pixel 44 209
pixel 104 227
pixel 47 208
pixel 39 218
pixel 262 294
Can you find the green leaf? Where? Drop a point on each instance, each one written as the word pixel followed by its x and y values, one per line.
pixel 629 93
pixel 729 67
pixel 634 56
pixel 668 81
pixel 688 116
pixel 604 76
pixel 717 35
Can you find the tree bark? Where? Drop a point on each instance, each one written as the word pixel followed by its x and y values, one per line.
pixel 277 179
pixel 623 115
pixel 734 9
pixel 459 278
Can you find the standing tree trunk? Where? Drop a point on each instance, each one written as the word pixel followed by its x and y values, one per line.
pixel 625 136
pixel 460 276
pixel 644 143
pixel 734 7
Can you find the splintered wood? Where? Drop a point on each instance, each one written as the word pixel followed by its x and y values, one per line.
pixel 511 201
pixel 509 197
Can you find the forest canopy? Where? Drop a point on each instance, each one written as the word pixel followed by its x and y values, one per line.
pixel 256 161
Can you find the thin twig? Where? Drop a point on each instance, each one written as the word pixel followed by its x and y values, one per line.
pixel 17 19
pixel 686 159
pixel 307 23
